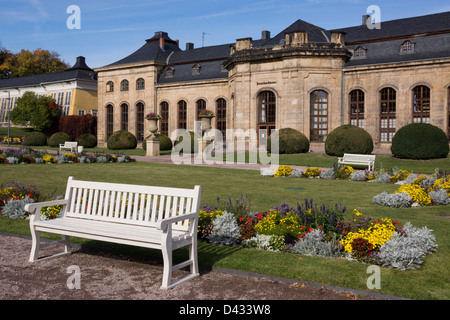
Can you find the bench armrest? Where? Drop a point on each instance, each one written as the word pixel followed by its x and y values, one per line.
pixel 162 224
pixel 31 207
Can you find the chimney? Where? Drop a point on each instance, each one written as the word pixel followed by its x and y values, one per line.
pixel 295 38
pixel 338 37
pixel 243 44
pixel 365 18
pixel 189 46
pixel 161 43
pixel 265 35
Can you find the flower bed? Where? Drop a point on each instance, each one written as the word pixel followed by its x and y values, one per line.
pixel 27 155
pixel 315 230
pixel 12 140
pixel 414 190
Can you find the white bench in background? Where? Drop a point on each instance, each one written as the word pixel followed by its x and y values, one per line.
pixel 358 159
pixel 71 145
pixel 145 216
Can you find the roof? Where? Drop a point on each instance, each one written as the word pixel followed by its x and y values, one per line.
pixel 315 33
pixel 79 71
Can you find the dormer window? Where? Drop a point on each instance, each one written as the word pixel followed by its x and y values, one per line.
pixel 196 69
pixel 407 47
pixel 359 53
pixel 169 72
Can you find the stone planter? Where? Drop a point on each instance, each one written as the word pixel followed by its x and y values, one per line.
pixel 206 123
pixel 152 128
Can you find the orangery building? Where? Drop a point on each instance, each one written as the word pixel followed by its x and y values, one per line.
pixel 305 77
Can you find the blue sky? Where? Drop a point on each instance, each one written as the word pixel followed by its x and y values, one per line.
pixel 112 29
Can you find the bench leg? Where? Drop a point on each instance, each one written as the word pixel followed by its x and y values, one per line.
pixel 167 267
pixel 36 238
pixel 193 257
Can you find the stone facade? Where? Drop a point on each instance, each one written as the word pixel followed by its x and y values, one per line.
pixel 292 69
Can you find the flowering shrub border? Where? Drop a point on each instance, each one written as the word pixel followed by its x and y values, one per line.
pixel 27 156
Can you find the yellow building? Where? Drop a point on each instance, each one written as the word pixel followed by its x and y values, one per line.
pixel 74 90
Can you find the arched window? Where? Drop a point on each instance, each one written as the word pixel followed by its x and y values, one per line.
pixel 319 115
pixel 110 86
pixel 421 104
pixel 124 117
pixel 182 114
pixel 140 84
pixel 200 105
pixel 388 106
pixel 266 115
pixel 109 120
pixel 140 121
pixel 221 116
pixel 164 122
pixel 448 109
pixel 356 106
pixel 124 85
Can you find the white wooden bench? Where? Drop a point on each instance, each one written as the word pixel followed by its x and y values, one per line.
pixel 69 145
pixel 145 216
pixel 358 159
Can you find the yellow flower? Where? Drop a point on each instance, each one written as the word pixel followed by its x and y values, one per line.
pixel 416 193
pixel 283 171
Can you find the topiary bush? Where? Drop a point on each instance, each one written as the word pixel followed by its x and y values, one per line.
pixel 290 141
pixel 35 139
pixel 348 139
pixel 164 142
pixel 420 141
pixel 58 138
pixel 122 139
pixel 87 140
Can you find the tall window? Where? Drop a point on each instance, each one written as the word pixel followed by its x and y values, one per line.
pixel 109 86
pixel 182 114
pixel 221 116
pixel 421 104
pixel 319 115
pixel 124 85
pixel 140 121
pixel 200 105
pixel 164 122
pixel 109 120
pixel 388 105
pixel 140 84
pixel 124 117
pixel 356 99
pixel 67 103
pixel 266 115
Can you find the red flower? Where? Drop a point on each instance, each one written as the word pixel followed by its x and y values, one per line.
pixel 310 229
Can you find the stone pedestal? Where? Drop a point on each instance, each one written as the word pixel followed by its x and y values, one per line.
pixel 152 147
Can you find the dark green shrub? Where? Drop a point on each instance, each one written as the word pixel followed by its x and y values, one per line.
pixel 194 137
pixel 420 141
pixel 164 142
pixel 35 139
pixel 348 139
pixel 87 140
pixel 290 141
pixel 122 139
pixel 58 138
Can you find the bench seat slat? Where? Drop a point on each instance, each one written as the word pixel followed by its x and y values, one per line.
pixel 111 229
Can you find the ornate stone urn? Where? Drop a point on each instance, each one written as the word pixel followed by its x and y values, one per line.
pixel 152 125
pixel 205 117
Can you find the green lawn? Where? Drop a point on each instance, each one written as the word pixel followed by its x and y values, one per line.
pixel 429 282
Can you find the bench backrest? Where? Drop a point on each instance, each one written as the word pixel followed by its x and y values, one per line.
pixel 70 144
pixel 364 157
pixel 130 204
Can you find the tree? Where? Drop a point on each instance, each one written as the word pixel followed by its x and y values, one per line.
pixel 37 112
pixel 27 63
pixel 4 55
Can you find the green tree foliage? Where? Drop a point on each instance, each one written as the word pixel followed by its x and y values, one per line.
pixel 27 63
pixel 37 112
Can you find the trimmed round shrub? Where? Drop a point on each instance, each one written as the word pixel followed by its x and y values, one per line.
pixel 290 141
pixel 122 140
pixel 87 140
pixel 58 138
pixel 420 141
pixel 348 139
pixel 164 142
pixel 35 139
